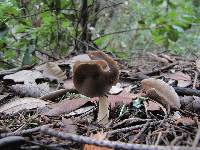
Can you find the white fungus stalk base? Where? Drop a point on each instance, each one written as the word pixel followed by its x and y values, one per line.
pixel 103 113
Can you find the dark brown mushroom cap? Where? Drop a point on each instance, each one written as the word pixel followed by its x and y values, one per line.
pixel 93 78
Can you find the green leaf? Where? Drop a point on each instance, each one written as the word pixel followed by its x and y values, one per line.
pixel 157 2
pixel 172 34
pixel 101 40
pixel 27 59
pixel 172 5
pixel 20 28
pixel 138 102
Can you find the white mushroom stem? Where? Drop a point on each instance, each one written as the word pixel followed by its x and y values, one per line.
pixel 103 113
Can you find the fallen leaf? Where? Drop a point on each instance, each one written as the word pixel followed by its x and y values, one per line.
pixel 122 98
pixel 80 111
pixel 184 80
pixel 168 94
pixel 154 106
pixel 66 106
pixel 183 83
pixel 31 89
pixel 180 76
pixel 116 89
pixel 26 76
pixel 22 104
pixel 185 121
pixel 53 72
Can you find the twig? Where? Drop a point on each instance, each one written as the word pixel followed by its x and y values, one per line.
pixel 110 144
pixel 131 128
pixel 142 130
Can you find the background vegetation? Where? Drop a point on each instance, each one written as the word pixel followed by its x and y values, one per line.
pixel 32 29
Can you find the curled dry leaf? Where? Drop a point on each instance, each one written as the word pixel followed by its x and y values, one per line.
pixel 26 76
pixel 183 79
pixel 164 90
pixel 53 72
pixel 154 106
pixel 22 104
pixel 98 136
pixel 30 89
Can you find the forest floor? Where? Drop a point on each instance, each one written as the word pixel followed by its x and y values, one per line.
pixel 155 105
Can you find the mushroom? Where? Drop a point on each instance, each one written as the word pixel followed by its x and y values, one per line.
pixel 95 78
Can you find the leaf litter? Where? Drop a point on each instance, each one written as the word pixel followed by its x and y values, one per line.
pixel 140 110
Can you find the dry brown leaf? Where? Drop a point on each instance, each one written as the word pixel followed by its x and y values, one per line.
pixel 98 136
pixel 21 104
pixel 66 106
pixel 26 76
pixel 154 106
pixel 53 72
pixel 184 80
pixel 122 98
pixel 164 90
pixel 185 121
pixel 30 89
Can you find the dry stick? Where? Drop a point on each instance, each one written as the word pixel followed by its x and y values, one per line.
pixel 23 132
pixel 110 144
pixel 195 80
pixel 132 128
pixel 158 138
pixel 142 130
